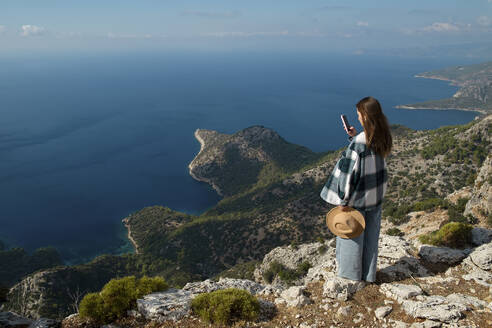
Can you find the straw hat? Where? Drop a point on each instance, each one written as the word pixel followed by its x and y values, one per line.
pixel 346 224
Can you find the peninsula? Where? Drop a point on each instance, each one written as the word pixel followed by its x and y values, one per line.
pixel 475 89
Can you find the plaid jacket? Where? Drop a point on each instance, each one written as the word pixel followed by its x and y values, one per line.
pixel 358 179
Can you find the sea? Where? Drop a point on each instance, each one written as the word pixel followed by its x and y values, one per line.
pixel 87 139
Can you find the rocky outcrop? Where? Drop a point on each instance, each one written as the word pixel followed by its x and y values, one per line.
pixel 480 203
pixel 449 307
pixel 175 304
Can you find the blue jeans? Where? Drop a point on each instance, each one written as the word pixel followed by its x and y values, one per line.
pixel 357 257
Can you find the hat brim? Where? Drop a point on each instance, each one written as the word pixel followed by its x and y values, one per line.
pixel 353 213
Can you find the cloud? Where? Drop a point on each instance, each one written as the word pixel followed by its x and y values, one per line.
pixel 112 35
pixel 484 21
pixel 440 27
pixel 245 34
pixel 32 30
pixel 361 23
pixel 211 14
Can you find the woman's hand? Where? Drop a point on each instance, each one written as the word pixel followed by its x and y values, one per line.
pixel 345 208
pixel 351 131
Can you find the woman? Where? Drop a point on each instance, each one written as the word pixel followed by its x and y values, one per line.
pixel 359 180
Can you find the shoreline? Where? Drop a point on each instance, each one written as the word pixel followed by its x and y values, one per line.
pixel 481 112
pixel 129 235
pixel 477 110
pixel 191 166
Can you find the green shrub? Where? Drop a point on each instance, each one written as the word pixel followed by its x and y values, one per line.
pixel 394 232
pixel 430 204
pixel 453 234
pixel 92 306
pixel 117 297
pixel 285 274
pixel 226 306
pixel 489 219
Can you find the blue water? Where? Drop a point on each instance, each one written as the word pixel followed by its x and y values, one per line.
pixel 87 140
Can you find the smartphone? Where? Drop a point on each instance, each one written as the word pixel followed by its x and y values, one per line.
pixel 345 123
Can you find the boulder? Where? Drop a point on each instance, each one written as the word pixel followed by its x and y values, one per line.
pixel 382 312
pixel 172 304
pixel 482 256
pixel 434 308
pixel 395 259
pixel 341 289
pixel 400 292
pixel 467 300
pixel 293 297
pixel 291 258
pixel 481 236
pixel 442 254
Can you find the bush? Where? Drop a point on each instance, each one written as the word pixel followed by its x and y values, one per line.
pixel 430 204
pixel 394 232
pixel 117 297
pixel 453 234
pixel 226 306
pixel 285 274
pixel 322 249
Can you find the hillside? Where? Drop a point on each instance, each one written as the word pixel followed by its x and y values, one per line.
pixel 278 205
pixel 475 93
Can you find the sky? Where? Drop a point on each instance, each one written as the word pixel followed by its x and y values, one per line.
pixel 352 26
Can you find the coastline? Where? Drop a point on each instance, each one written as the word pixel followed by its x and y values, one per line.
pixel 191 166
pixel 129 235
pixel 478 110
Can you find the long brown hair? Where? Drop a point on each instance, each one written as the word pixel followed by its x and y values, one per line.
pixel 376 127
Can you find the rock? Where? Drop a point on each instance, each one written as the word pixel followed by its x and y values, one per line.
pixel 398 324
pixel 13 320
pixel 434 308
pixel 341 289
pixel 480 203
pixel 439 280
pixel 481 236
pixel 172 304
pixel 482 257
pixel 294 297
pixel 270 290
pixel 467 300
pixel 45 323
pixel 442 254
pixel 426 324
pixel 400 292
pixel 208 285
pixel 358 317
pixel 395 259
pixel 321 264
pixel 480 277
pixel 344 311
pixel 382 312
